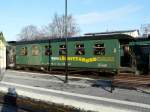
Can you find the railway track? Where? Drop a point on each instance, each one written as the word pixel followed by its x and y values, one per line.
pixel 126 80
pixel 132 81
pixel 121 80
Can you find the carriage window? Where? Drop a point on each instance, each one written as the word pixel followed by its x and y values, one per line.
pixel 48 50
pixel 80 50
pixel 145 49
pixel 99 49
pixel 35 50
pixel 126 48
pixel 23 51
pixel 62 50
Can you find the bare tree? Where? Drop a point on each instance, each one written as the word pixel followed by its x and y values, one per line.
pixel 56 28
pixel 145 29
pixel 29 32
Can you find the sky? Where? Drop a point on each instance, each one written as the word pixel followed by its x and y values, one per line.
pixel 90 15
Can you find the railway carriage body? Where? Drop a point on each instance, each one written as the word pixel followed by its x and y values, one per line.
pixel 100 53
pixel 141 50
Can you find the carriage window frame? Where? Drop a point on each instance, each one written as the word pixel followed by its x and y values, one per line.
pixel 99 49
pixel 62 49
pixel 145 49
pixel 35 50
pixel 79 49
pixel 48 48
pixel 23 51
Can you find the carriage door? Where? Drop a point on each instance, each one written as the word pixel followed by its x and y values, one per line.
pixel 145 57
pixel 126 56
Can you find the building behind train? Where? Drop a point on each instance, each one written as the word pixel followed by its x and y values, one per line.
pixel 2 54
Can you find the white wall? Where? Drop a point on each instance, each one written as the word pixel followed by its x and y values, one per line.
pixel 2 57
pixel 134 34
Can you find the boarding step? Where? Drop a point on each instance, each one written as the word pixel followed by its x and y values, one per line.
pixel 126 70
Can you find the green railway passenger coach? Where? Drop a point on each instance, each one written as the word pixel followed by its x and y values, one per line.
pixel 101 52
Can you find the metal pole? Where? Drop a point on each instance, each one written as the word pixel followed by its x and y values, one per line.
pixel 66 43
